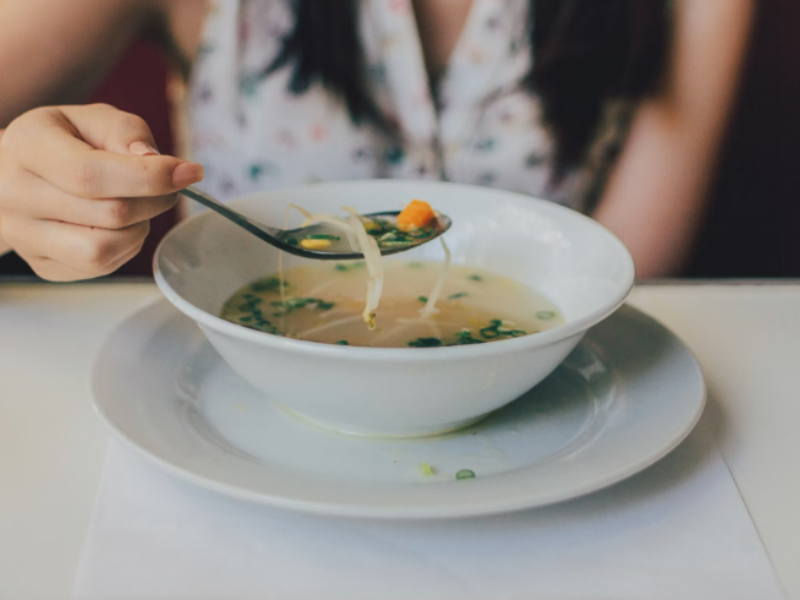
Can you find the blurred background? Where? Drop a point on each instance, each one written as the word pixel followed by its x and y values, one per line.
pixel 752 229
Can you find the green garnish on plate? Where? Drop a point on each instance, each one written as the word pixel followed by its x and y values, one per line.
pixel 426 470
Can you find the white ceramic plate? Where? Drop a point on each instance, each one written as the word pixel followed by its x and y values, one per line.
pixel 628 394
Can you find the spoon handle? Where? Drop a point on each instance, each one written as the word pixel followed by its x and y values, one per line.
pixel 265 233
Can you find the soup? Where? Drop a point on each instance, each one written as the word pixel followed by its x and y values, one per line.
pixel 324 303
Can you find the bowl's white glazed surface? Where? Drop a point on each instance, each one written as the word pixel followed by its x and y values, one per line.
pixel 569 258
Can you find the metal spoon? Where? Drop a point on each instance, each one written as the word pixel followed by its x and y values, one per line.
pixel 287 240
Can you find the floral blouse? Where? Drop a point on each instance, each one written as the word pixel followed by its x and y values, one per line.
pixel 483 127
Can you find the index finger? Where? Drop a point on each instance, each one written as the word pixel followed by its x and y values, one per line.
pixel 54 150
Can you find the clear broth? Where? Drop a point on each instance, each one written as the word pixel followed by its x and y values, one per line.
pixel 324 303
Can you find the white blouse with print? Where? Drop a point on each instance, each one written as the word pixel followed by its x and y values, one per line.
pixel 251 133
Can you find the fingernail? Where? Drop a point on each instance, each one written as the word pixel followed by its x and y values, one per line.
pixel 143 149
pixel 187 173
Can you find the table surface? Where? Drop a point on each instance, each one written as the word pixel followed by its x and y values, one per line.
pixel 53 445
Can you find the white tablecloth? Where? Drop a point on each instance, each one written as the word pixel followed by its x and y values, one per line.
pixel 677 530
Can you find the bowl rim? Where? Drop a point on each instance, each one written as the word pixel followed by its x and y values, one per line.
pixel 360 353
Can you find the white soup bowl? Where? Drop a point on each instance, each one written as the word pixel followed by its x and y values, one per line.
pixel 572 260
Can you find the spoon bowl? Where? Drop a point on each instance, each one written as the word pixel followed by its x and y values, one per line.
pixel 338 248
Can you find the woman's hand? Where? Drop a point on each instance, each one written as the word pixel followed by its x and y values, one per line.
pixel 78 187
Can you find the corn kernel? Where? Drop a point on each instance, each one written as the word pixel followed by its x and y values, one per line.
pixel 315 244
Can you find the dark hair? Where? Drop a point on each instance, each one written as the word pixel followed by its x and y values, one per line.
pixel 586 52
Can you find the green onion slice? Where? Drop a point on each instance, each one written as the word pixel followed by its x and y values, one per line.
pixel 430 342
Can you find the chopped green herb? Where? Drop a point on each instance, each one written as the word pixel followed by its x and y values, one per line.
pixel 245 319
pixel 465 474
pixel 261 325
pixel 269 285
pixel 431 342
pixel 380 227
pixel 393 243
pixel 389 236
pixel 496 329
pixel 457 296
pixel 343 343
pixel 426 470
pixel 475 278
pixel 545 315
pixel 423 299
pixel 490 333
pixel 292 241
pixel 465 338
pixel 323 236
pixel 421 233
pixel 293 303
pixel 350 266
pixel 296 302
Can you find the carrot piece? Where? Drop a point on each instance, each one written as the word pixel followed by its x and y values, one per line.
pixel 417 214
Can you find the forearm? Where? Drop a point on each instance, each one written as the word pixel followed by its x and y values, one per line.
pixel 657 195
pixel 56 52
pixel 4 246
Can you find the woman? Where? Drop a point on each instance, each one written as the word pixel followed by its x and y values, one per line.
pixel 615 107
